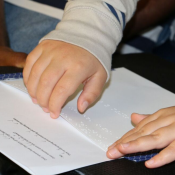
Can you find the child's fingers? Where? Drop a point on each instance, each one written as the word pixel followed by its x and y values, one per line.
pixel 91 91
pixel 137 118
pixel 140 120
pixel 145 130
pixel 47 82
pixel 144 123
pixel 158 139
pixel 66 86
pixel 36 71
pixel 151 118
pixel 139 145
pixel 147 120
pixel 164 157
pixel 114 153
pixel 150 128
pixel 119 141
pixel 30 61
pixel 134 117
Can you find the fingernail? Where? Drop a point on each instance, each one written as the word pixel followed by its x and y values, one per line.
pixel 46 110
pixel 85 105
pixel 52 115
pixel 34 100
pixel 150 162
pixel 112 152
pixel 125 145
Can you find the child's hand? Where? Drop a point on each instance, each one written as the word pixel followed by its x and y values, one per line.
pixel 154 131
pixel 55 69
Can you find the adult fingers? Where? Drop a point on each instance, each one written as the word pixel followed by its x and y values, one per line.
pixel 18 59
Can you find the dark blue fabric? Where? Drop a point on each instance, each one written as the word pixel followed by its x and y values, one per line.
pixel 11 76
pixel 164 46
pixel 55 3
pixel 142 43
pixel 124 19
pixel 25 27
pixel 166 50
pixel 113 11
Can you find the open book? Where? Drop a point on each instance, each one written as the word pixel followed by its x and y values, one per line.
pixel 43 146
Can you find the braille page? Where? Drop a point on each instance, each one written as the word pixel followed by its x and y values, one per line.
pixel 37 143
pixel 108 119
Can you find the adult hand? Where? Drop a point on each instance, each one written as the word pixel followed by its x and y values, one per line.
pixel 8 57
pixel 154 131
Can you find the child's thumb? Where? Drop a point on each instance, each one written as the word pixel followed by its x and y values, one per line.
pixel 137 118
pixel 91 91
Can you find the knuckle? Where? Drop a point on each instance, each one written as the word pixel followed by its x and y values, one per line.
pixel 156 136
pixel 46 43
pixel 29 59
pixel 138 142
pixel 61 90
pixel 79 66
pixel 52 106
pixel 160 111
pixel 94 95
pixel 37 67
pixel 45 81
pixel 142 132
pixel 137 128
pixel 171 149
pixel 34 73
pixel 41 100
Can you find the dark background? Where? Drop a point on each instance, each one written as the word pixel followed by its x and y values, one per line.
pixel 54 3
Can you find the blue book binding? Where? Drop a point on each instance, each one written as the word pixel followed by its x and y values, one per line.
pixel 139 157
pixel 11 76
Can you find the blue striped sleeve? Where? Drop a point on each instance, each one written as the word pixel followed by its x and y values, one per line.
pixel 116 15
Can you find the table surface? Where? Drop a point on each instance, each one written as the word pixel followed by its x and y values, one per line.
pixel 149 66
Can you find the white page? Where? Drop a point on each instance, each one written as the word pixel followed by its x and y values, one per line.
pixel 109 118
pixel 36 142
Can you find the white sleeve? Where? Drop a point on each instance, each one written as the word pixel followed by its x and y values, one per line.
pixel 95 25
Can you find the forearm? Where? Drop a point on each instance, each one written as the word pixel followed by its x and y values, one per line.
pixel 3 32
pixel 148 14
